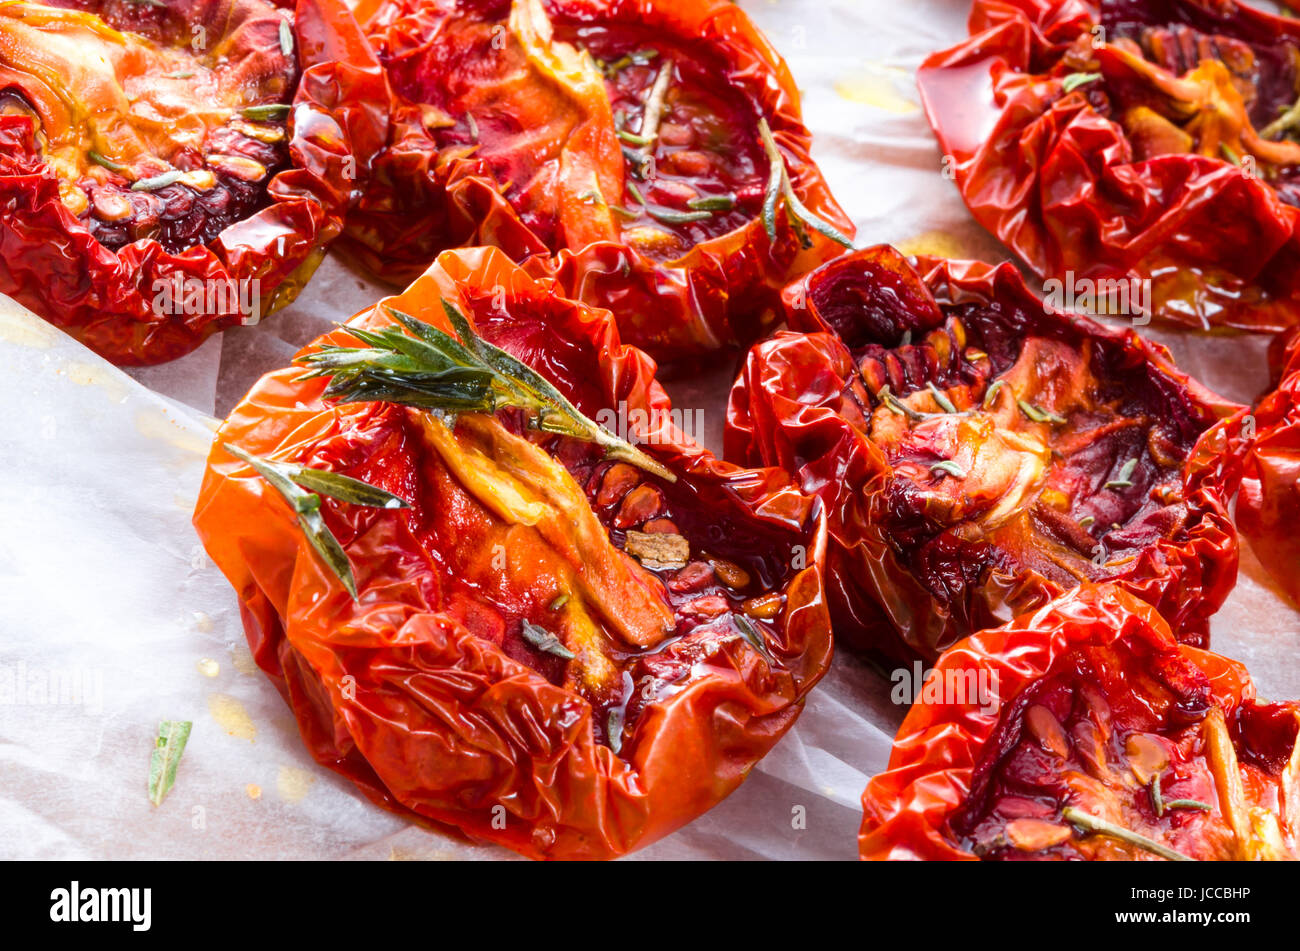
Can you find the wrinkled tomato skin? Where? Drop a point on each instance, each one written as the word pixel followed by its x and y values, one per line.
pixel 51 263
pixel 1266 444
pixel 1109 666
pixel 904 582
pixel 453 720
pixel 480 155
pixel 1060 179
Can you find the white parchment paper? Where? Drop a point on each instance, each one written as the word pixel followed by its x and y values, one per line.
pixel 112 618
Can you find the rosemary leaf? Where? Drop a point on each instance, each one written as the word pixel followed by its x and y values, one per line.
pixel 1188 804
pixel 712 203
pixel 272 110
pixel 107 163
pixel 672 217
pixel 545 641
pixel 941 398
pixel 990 397
pixel 632 138
pixel 292 482
pixel 286 38
pixel 751 634
pixel 1075 80
pixel 157 181
pixel 614 729
pixel 949 467
pixel 167 750
pixel 1038 414
pixel 654 104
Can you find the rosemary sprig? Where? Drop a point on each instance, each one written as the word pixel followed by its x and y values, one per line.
pixel 1188 804
pixel 1091 824
pixel 991 395
pixel 545 641
pixel 1157 796
pixel 897 406
pixel 1287 121
pixel 292 482
pixel 1075 80
pixel 167 750
pixel 430 369
pixel 779 187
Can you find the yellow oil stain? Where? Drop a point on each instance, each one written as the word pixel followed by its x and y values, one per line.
pixel 209 667
pixel 942 244
pixel 21 327
pixel 231 716
pixel 106 378
pixel 158 424
pixel 293 783
pixel 202 622
pixel 880 87
pixel 254 791
pixel 242 659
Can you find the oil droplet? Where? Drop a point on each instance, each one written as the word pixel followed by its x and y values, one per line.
pixel 941 244
pixel 254 791
pixel 21 327
pixel 293 783
pixel 877 86
pixel 231 716
pixel 157 424
pixel 242 658
pixel 209 667
pixel 202 623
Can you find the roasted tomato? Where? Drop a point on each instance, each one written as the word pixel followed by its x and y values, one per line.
pixel 1266 443
pixel 1134 140
pixel 172 167
pixel 565 646
pixel 1086 731
pixel 980 452
pixel 626 148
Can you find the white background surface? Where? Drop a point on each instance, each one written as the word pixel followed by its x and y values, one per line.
pixel 101 573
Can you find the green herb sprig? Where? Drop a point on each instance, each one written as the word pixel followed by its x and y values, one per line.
pixel 293 482
pixel 430 369
pixel 1091 824
pixel 779 189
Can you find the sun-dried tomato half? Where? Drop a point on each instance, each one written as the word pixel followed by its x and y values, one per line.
pixel 1092 734
pixel 172 167
pixel 624 148
pixel 979 452
pixel 1123 139
pixel 1265 442
pixel 563 646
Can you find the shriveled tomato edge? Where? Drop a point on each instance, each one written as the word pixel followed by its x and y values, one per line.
pixel 687 280
pixel 687 754
pixel 1187 580
pixel 1008 37
pixel 937 748
pixel 342 90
